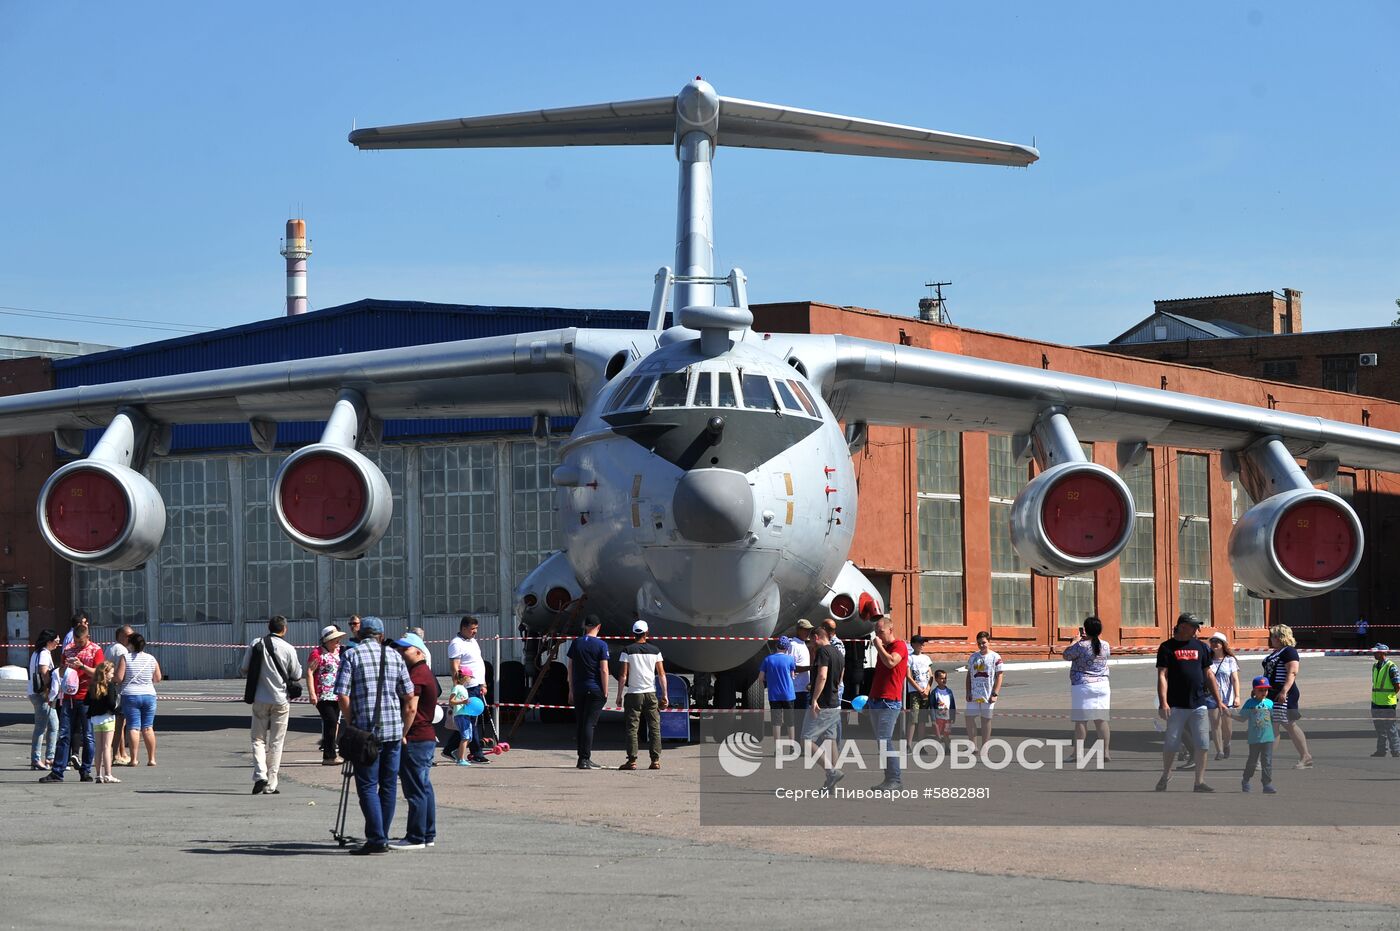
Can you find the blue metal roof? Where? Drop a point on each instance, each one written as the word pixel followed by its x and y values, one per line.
pixel 363 325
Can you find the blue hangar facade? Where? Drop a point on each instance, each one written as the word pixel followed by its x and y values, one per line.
pixel 473 501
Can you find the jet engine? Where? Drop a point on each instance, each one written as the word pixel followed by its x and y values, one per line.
pixel 1297 542
pixel 101 511
pixel 1076 515
pixel 328 497
pixel 332 500
pixel 102 514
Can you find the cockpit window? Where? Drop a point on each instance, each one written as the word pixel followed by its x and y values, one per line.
pixel 785 395
pixel 704 394
pixel 671 390
pixel 727 397
pixel 625 386
pixel 758 393
pixel 802 395
pixel 637 395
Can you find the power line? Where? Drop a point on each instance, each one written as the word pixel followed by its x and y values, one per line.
pixel 130 322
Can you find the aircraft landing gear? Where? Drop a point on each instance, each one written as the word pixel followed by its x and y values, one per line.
pixel 738 688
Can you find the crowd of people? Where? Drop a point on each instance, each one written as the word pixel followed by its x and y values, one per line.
pixel 94 710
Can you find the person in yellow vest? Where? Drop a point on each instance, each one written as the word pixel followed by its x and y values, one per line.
pixel 1385 690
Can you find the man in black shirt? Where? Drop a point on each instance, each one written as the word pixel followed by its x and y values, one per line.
pixel 1184 681
pixel 824 713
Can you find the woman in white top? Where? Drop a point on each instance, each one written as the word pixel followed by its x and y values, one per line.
pixel 138 672
pixel 1088 684
pixel 1226 670
pixel 41 745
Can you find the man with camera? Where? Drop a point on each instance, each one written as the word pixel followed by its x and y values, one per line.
pixel 378 700
pixel 274 679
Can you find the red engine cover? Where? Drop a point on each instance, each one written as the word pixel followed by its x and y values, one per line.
pixel 87 510
pixel 1314 541
pixel 323 497
pixel 1083 515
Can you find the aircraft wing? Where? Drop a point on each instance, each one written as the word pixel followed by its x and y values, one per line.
pixel 879 383
pixel 550 372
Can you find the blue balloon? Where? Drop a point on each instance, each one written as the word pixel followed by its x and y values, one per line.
pixel 858 703
pixel 474 706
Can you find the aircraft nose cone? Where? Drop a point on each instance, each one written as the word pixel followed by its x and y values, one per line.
pixel 713 506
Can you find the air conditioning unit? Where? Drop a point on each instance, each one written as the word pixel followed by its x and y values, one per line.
pixel 1369 359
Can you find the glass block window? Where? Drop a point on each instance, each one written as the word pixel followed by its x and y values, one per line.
pixel 1249 611
pixel 535 531
pixel 194 557
pixel 939 502
pixel 111 597
pixel 1345 601
pixel 1011 579
pixel 279 576
pixel 377 583
pixel 1137 566
pixel 458 489
pixel 1076 594
pixel 1193 534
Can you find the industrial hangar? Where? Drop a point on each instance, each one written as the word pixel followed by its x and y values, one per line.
pixel 474 513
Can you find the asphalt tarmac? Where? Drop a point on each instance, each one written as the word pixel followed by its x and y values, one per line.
pixel 184 844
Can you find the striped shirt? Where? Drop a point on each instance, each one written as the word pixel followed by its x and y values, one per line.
pixel 359 678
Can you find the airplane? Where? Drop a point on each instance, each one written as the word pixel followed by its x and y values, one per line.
pixel 707 486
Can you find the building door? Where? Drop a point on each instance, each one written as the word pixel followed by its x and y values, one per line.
pixel 17 624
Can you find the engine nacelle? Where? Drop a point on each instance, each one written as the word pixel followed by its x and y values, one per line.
pixel 1073 517
pixel 548 591
pixel 332 500
pixel 1296 544
pixel 102 514
pixel 853 603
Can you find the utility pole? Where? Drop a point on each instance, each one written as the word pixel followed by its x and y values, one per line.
pixel 932 309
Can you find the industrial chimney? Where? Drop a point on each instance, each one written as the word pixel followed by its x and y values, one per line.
pixel 296 248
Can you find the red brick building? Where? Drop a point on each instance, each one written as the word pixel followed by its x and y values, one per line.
pixel 1261 335
pixel 932 523
pixel 34 583
pixel 1186 545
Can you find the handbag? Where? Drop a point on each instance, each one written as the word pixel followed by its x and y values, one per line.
pixel 293 687
pixel 359 746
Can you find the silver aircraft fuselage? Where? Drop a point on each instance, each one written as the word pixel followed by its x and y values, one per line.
pixel 707 510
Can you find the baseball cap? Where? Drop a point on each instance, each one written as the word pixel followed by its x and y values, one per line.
pixel 640 627
pixel 411 640
pixel 1186 617
pixel 805 624
pixel 1380 648
pixel 784 644
pixel 1262 682
pixel 371 624
pixel 330 632
pixel 1219 636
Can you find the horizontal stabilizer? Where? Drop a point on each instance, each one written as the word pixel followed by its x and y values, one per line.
pixel 633 122
pixel 743 123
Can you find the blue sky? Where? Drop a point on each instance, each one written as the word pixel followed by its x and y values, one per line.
pixel 153 152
